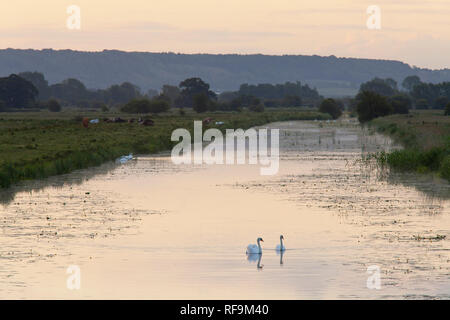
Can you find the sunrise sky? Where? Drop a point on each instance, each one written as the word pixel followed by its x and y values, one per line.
pixel 414 31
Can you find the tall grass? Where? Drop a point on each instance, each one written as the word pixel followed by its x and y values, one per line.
pixel 426 140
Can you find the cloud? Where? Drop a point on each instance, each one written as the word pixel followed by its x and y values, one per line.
pixel 415 31
pixel 138 36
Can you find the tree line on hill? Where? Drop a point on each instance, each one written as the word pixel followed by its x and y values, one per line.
pixel 382 97
pixel 29 90
pixel 223 71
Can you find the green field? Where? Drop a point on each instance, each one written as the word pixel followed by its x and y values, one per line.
pixel 425 136
pixel 41 144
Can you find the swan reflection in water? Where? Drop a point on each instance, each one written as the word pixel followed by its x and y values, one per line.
pixel 252 257
pixel 281 253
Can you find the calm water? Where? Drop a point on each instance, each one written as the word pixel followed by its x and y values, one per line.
pixel 151 230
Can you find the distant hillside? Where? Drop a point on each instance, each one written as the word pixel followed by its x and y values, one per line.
pixel 331 75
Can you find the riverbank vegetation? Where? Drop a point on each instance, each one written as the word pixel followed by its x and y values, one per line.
pixel 41 144
pixel 415 117
pixel 425 136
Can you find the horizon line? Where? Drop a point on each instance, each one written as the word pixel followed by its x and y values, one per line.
pixel 226 54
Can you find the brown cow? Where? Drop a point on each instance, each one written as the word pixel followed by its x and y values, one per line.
pixel 207 120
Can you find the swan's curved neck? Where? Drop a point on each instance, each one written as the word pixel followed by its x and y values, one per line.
pixel 281 242
pixel 259 244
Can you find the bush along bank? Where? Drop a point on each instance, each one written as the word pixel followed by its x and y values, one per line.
pixel 415 157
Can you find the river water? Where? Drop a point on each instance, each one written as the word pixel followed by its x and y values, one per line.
pixel 149 229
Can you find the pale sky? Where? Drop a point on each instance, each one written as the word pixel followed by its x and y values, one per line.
pixel 414 31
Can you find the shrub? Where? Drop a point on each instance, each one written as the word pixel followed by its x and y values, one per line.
pixel 416 160
pixel 331 107
pixel 271 103
pixel 53 106
pixel 422 104
pixel 440 102
pixel 201 102
pixel 137 106
pixel 372 105
pixel 158 106
pixel 291 101
pixel 445 168
pixel 432 158
pixel 401 104
pixel 100 105
pixel 447 109
pixel 404 159
pixel 256 108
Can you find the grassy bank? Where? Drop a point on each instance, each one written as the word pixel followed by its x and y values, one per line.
pixel 43 144
pixel 425 136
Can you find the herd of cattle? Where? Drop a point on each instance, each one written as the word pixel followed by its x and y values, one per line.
pixel 144 122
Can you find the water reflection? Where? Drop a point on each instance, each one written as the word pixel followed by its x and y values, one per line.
pixel 156 164
pixel 75 178
pixel 280 253
pixel 341 220
pixel 253 257
pixel 432 187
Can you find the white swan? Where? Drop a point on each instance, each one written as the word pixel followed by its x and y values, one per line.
pixel 125 159
pixel 280 247
pixel 255 249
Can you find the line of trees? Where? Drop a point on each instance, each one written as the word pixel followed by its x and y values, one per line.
pixel 195 93
pixel 32 90
pixel 16 92
pixel 381 97
pixel 288 90
pixel 72 92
